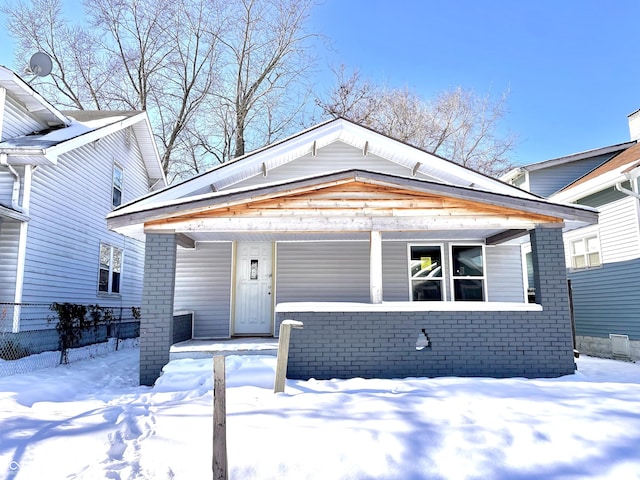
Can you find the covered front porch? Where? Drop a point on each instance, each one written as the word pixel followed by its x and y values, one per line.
pixel 377 261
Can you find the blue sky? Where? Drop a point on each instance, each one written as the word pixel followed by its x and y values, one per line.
pixel 572 66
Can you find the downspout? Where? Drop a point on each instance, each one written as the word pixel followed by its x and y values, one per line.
pixel 24 226
pixel 626 191
pixel 15 193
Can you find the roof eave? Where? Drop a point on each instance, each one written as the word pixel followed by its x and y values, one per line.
pixel 33 100
pixel 128 217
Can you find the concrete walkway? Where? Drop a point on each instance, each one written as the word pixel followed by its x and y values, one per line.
pixel 232 346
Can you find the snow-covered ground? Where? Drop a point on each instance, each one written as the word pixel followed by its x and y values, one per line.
pixel 90 420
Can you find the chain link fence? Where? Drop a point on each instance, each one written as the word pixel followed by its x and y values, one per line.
pixel 30 341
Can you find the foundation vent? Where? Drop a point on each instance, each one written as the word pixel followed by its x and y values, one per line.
pixel 620 346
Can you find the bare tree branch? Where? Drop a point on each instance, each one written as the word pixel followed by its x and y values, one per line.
pixel 456 124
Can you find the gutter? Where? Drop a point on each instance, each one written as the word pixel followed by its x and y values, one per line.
pixel 15 193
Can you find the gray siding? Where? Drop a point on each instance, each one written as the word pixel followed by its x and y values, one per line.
pixel 322 272
pixel 606 300
pixel 334 157
pixel 395 272
pixel 203 284
pixel 504 273
pixel 546 181
pixel 9 238
pixel 339 271
pixel 17 120
pixel 69 203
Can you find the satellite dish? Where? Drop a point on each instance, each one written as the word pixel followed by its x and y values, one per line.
pixel 39 65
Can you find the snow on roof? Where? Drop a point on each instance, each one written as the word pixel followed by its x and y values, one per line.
pixel 54 136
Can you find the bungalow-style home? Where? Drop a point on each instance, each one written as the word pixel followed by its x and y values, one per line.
pixel 398 262
pixel 60 174
pixel 602 260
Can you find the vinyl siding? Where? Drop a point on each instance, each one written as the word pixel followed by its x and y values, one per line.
pixel 546 181
pixel 68 206
pixel 339 272
pixel 17 120
pixel 618 227
pixel 334 157
pixel 322 272
pixel 504 273
pixel 395 272
pixel 606 300
pixel 203 284
pixel 9 238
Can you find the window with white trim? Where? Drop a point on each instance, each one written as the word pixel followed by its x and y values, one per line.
pixel 426 273
pixel 116 197
pixel 110 270
pixel 585 252
pixel 468 273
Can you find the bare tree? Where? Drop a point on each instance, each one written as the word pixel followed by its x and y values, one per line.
pixel 215 76
pixel 265 59
pixel 456 124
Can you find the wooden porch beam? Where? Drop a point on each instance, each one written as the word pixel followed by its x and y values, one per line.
pixel 312 223
pixel 505 236
pixel 185 241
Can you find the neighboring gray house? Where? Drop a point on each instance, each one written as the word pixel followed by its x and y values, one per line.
pixel 602 260
pixel 399 262
pixel 60 174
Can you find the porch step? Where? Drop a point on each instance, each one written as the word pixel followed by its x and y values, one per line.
pixel 233 346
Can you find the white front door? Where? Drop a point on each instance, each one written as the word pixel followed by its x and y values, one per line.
pixel 254 278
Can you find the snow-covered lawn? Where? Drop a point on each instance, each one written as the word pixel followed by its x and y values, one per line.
pixel 90 420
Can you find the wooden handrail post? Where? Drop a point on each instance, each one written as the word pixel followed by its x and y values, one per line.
pixel 219 420
pixel 283 353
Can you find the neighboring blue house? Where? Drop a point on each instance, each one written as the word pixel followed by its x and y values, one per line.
pixel 60 174
pixel 602 260
pixel 399 262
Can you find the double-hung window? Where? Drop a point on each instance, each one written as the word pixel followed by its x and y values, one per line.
pixel 110 269
pixel 426 273
pixel 468 277
pixel 585 252
pixel 116 197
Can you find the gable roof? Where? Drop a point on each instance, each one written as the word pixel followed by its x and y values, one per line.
pixel 624 159
pixel 63 131
pixel 613 171
pixel 309 141
pixel 48 145
pixel 574 157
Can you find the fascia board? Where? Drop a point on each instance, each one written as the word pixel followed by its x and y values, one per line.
pixel 88 137
pixel 156 168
